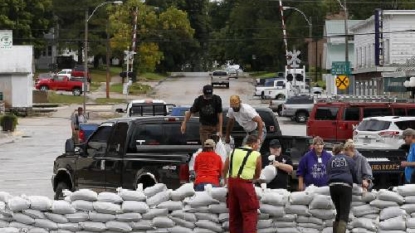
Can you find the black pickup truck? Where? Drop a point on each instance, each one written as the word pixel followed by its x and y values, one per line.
pixel 127 151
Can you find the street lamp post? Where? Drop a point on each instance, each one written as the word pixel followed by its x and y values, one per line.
pixel 346 31
pixel 87 18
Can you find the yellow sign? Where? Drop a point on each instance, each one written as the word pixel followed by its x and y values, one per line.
pixel 342 82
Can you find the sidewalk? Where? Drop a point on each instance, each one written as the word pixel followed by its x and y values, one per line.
pixel 9 137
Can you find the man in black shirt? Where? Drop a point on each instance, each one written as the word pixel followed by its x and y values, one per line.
pixel 209 107
pixel 282 163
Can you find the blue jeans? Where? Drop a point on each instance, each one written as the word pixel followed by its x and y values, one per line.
pixel 201 186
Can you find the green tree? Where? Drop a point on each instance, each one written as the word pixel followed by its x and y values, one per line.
pixel 29 20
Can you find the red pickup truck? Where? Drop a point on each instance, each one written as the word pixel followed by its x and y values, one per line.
pixel 60 83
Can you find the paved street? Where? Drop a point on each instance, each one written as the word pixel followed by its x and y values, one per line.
pixel 26 163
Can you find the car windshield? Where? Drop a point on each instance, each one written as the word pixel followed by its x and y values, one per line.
pixel 219 73
pixel 148 110
pixel 373 125
pixel 304 100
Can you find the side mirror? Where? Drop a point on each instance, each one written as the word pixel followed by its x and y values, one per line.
pixel 119 110
pixel 69 146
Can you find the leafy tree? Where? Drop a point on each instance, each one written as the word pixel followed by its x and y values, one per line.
pixel 29 20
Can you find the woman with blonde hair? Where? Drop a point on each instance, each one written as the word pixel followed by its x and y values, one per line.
pixel 363 170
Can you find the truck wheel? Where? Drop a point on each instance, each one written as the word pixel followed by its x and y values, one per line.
pixel 280 97
pixel 262 95
pixel 59 190
pixel 227 85
pixel 44 88
pixel 77 91
pixel 301 117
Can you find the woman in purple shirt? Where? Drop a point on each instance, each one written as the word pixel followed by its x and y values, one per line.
pixel 312 166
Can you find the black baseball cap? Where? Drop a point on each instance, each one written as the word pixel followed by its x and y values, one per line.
pixel 275 143
pixel 208 90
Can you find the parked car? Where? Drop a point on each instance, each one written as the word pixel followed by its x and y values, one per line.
pixel 60 83
pixel 233 73
pixel 146 107
pixel 335 121
pixel 298 108
pixel 276 105
pixel 384 132
pixel 74 73
pixel 43 76
pixel 219 77
pixel 277 83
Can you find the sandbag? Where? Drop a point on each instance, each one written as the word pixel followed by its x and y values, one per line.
pixel 391 212
pixel 152 213
pixel 221 150
pixel 109 197
pixel 279 225
pixel 190 217
pixel 163 222
pixel 10 230
pixel 218 208
pixel 62 207
pixel 268 173
pixel 306 219
pixel 321 202
pixel 40 203
pixel 183 223
pixel 158 198
pixel 202 230
pixel 37 230
pixel 135 207
pixel 20 225
pixel 360 211
pixel 365 223
pixel 84 194
pixel 382 204
pixel 128 217
pixel 118 226
pixel 100 217
pixel 323 213
pixel 207 216
pixel 142 225
pixel 265 223
pixel 410 223
pixel 83 205
pixel 386 195
pixel 131 195
pixel 180 229
pixel 300 198
pixel 288 230
pixel 45 223
pixel 397 223
pixel 155 189
pixel 223 217
pixel 286 218
pixel 23 218
pixel 93 226
pixel 406 190
pixel 273 211
pixel 186 190
pixel 218 193
pixel 77 217
pixel 3 224
pixel 297 209
pixel 200 199
pixel 309 226
pixel 17 204
pixel 273 198
pixel 57 218
pixel 106 207
pixel 170 205
pixel 357 203
pixel 409 208
pixel 5 196
pixel 206 224
pixel 34 213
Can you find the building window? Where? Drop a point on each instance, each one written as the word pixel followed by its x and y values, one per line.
pixel 49 50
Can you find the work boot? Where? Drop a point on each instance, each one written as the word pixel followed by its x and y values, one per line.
pixel 335 224
pixel 341 227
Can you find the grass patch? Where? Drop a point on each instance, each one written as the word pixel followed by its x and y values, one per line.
pixel 64 99
pixel 94 86
pixel 109 101
pixel 135 88
pixel 263 74
pixel 151 77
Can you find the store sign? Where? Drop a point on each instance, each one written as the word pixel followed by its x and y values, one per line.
pixel 6 39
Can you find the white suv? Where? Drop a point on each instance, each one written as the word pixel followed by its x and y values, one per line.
pixel 219 77
pixel 382 132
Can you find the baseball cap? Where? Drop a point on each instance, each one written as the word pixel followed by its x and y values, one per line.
pixel 275 143
pixel 208 90
pixel 209 143
pixel 408 132
pixel 234 101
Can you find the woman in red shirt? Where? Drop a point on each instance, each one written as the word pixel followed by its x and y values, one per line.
pixel 208 167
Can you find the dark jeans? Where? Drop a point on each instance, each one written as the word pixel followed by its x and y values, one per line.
pixel 341 196
pixel 201 186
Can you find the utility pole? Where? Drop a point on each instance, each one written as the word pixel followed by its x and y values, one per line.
pixel 346 32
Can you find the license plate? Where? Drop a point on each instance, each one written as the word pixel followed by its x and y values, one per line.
pixel 366 140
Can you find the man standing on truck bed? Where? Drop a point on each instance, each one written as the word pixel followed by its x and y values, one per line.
pixel 209 107
pixel 247 117
pixel 76 119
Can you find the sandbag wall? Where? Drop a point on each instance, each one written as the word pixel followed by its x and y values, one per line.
pixel 157 209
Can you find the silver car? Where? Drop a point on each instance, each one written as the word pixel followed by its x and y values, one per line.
pixel 298 108
pixel 219 77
